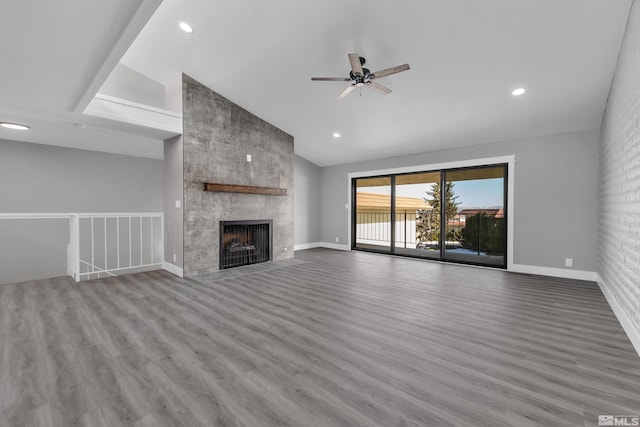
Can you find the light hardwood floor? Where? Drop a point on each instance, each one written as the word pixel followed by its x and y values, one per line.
pixel 328 339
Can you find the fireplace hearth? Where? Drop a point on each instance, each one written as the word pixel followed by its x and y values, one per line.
pixel 245 242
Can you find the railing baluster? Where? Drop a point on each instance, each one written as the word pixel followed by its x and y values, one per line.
pixel 151 234
pixel 92 258
pixel 106 266
pixel 140 240
pixel 76 221
pixel 405 229
pixel 162 237
pixel 479 215
pixel 376 229
pixel 130 261
pixel 118 241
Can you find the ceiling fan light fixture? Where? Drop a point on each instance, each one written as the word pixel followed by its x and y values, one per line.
pixel 185 27
pixel 359 76
pixel 14 126
pixel 518 92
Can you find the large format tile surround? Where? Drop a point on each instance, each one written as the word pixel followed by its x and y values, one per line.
pixel 218 136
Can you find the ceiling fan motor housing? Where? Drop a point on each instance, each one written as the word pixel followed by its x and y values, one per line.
pixel 358 78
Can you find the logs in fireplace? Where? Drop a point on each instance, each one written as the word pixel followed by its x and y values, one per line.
pixel 245 242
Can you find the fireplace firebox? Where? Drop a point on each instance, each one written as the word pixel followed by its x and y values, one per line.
pixel 245 242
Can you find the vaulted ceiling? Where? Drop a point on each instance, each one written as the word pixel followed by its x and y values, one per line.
pixel 465 56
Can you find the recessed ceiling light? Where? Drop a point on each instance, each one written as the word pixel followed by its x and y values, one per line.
pixel 185 27
pixel 14 126
pixel 336 135
pixel 518 92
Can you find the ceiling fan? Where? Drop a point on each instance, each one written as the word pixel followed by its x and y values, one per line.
pixel 359 76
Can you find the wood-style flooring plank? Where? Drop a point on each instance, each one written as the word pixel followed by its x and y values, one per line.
pixel 333 339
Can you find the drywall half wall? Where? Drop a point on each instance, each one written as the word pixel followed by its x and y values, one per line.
pixel 554 197
pixel 619 192
pixel 173 192
pixel 38 178
pixel 307 204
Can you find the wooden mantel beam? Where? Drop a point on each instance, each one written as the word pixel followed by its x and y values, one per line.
pixel 247 189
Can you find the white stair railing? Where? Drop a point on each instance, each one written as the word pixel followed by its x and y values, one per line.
pixel 105 245
pixel 108 244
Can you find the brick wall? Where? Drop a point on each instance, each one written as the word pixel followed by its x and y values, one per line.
pixel 619 190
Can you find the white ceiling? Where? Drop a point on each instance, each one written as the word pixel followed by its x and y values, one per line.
pixel 55 56
pixel 466 57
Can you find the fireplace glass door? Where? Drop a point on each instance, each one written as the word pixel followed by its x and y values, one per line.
pixel 244 242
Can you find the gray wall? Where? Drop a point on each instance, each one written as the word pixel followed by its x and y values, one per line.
pixel 555 195
pixel 218 136
pixel 173 190
pixel 306 202
pixel 619 220
pixel 40 178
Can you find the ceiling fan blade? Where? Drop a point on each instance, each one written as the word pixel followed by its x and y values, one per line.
pixel 347 91
pixel 389 71
pixel 356 66
pixel 330 79
pixel 378 87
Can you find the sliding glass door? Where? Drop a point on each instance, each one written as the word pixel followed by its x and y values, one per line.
pixel 417 222
pixel 372 215
pixel 475 215
pixel 451 215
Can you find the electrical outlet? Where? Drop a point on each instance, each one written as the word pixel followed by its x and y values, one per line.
pixel 174 257
pixel 568 262
pixel 337 239
pixel 249 158
pixel 177 204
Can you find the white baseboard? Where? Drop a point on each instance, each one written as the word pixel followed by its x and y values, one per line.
pixel 591 276
pixel 336 246
pixel 171 268
pixel 321 245
pixel 304 246
pixel 629 327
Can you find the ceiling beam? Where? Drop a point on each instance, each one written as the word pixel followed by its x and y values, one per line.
pixel 133 28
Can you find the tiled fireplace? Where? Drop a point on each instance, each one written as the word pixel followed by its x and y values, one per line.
pixel 236 166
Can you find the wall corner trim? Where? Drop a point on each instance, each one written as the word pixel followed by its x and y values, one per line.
pixel 564 273
pixel 312 245
pixel 629 328
pixel 174 269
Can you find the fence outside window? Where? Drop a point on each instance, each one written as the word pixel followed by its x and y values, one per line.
pixel 481 231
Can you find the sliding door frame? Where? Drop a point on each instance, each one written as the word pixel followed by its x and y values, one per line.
pixel 507 161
